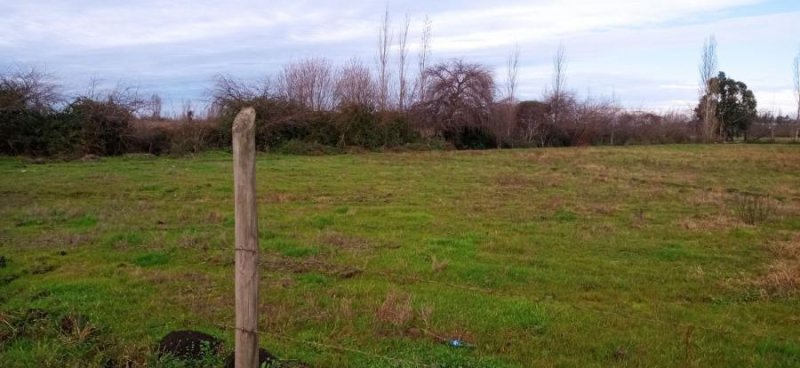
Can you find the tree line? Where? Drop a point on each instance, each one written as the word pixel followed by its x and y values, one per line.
pixel 314 106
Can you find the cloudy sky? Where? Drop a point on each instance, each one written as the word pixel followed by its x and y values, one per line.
pixel 643 52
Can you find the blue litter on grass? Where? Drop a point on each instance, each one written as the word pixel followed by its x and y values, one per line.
pixel 456 343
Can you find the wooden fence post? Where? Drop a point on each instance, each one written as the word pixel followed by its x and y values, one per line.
pixel 244 179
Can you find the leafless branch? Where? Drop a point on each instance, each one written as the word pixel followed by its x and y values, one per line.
pixel 708 68
pixel 308 82
pixel 796 73
pixel 458 94
pixel 384 44
pixel 28 89
pixel 424 55
pixel 354 85
pixel 403 64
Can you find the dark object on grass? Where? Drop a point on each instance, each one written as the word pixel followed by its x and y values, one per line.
pixel 62 253
pixel 42 269
pixel 113 363
pixel 73 323
pixel 292 364
pixel 349 273
pixel 265 359
pixel 621 353
pixel 2 261
pixel 188 345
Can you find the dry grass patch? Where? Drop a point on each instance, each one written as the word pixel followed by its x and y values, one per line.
pixel 282 264
pixel 439 265
pixel 707 197
pixel 516 181
pixel 215 218
pixel 346 309
pixel 76 329
pixel 280 198
pixel 396 309
pixel 714 222
pixel 343 241
pixel 783 276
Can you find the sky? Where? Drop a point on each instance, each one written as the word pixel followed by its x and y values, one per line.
pixel 642 53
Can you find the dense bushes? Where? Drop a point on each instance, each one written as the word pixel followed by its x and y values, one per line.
pixel 173 137
pixel 468 137
pixel 280 121
pixel 108 127
pixel 28 122
pixel 38 133
pixel 105 125
pixel 83 127
pixel 35 120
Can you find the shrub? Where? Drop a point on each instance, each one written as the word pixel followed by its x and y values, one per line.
pixel 299 147
pixel 38 133
pixel 397 130
pixel 29 121
pixel 152 139
pixel 105 125
pixel 467 137
pixel 191 137
pixel 753 209
pixel 359 126
pixel 267 112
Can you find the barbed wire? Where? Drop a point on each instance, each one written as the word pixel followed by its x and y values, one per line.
pixel 326 346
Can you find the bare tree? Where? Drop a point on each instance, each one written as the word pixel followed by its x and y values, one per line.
pixel 28 89
pixel 559 83
pixel 708 71
pixel 354 85
pixel 590 119
pixel 796 80
pixel 796 72
pixel 228 89
pixel 308 82
pixel 126 96
pixel 154 106
pixel 384 44
pixel 512 71
pixel 424 55
pixel 458 95
pixel 614 121
pixel 402 46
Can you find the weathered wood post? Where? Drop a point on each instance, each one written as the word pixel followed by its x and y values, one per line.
pixel 244 180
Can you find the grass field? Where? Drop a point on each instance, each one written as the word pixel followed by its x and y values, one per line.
pixel 575 257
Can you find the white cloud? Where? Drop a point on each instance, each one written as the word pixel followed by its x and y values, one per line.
pixel 644 51
pixel 114 23
pixel 535 21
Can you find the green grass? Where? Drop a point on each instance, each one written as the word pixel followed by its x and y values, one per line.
pixel 576 257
